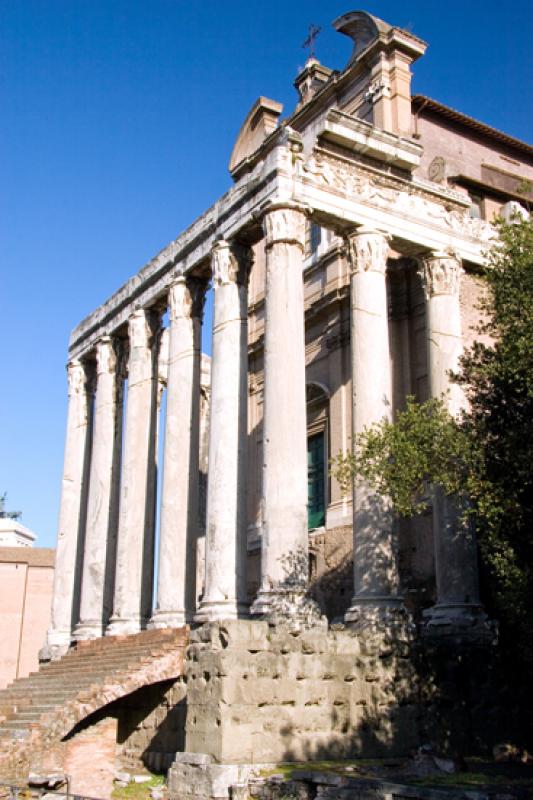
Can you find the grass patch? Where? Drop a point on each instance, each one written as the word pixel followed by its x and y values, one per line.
pixel 483 774
pixel 336 767
pixel 137 791
pixel 479 774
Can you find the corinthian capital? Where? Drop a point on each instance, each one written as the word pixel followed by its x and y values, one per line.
pixel 230 263
pixel 186 297
pixel 76 377
pixel 142 327
pixel 368 251
pixel 441 274
pixel 284 224
pixel 106 360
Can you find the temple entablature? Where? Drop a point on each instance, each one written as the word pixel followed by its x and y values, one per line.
pixel 355 174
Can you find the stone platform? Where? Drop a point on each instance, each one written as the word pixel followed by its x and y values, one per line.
pixel 259 694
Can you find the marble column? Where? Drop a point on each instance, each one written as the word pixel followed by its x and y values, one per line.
pixel 176 585
pixel 458 605
pixel 72 513
pixel 284 542
pixel 102 510
pixel 376 601
pixel 136 528
pixel 225 546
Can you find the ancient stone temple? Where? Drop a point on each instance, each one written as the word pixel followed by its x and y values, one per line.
pixel 344 262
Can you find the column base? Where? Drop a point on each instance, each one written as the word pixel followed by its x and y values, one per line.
pixel 466 622
pixel 167 619
pixel 278 606
pixel 91 629
pixel 125 627
pixel 385 613
pixel 213 610
pixel 56 645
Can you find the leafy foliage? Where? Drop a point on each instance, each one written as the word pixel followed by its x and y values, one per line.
pixel 423 446
pixel 498 381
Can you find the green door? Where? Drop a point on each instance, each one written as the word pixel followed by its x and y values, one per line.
pixel 316 508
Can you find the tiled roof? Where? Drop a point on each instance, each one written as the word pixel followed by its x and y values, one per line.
pixel 423 102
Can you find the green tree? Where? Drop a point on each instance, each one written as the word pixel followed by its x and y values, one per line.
pixel 485 455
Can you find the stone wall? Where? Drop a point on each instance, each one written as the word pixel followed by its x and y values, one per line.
pixel 257 694
pixel 151 726
pixel 331 570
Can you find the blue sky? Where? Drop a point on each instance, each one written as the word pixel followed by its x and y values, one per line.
pixel 118 119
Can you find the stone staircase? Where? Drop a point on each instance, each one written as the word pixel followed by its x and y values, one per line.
pixel 38 711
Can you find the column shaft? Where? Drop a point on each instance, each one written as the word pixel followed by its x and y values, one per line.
pixel 225 557
pixel 376 599
pixel 176 586
pixel 284 546
pixel 72 513
pixel 102 510
pixel 135 544
pixel 458 602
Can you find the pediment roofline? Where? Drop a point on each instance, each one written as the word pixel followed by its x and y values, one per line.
pixel 259 123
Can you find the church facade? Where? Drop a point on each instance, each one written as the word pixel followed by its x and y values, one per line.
pixel 345 264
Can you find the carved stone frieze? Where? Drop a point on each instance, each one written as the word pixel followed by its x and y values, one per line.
pixel 378 89
pixel 284 224
pixel 413 201
pixel 437 170
pixel 230 263
pixel 368 251
pixel 441 274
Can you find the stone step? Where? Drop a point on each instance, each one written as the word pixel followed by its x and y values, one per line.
pixel 52 690
pixel 101 669
pixel 14 724
pixel 141 637
pixel 11 733
pixel 115 659
pixel 110 665
pixel 37 711
pixel 26 700
pixel 75 655
pixel 97 653
pixel 33 714
pixel 57 687
pixel 63 681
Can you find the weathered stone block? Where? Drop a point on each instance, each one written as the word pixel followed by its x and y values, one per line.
pixel 315 641
pixel 192 779
pixel 249 635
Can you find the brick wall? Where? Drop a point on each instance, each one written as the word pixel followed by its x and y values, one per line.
pixel 90 759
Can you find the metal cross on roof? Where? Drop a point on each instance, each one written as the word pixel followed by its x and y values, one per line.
pixel 313 32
